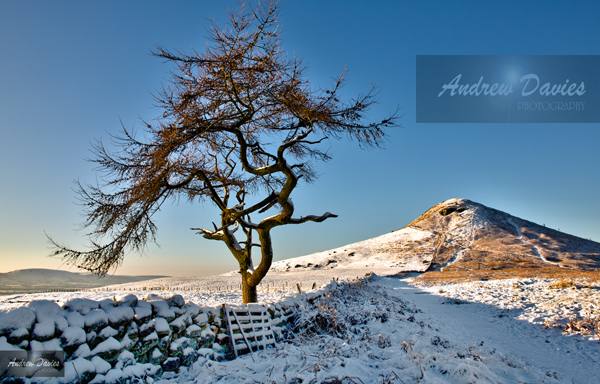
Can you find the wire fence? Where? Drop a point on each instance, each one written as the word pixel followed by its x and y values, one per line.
pixel 289 282
pixel 285 286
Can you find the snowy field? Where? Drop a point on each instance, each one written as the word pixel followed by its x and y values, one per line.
pixel 207 290
pixel 391 331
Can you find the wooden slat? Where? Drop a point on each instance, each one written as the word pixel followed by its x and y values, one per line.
pixel 228 320
pixel 254 325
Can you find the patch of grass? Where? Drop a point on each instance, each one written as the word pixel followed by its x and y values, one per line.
pixel 563 284
pixel 583 326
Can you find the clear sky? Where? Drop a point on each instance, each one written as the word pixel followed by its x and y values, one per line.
pixel 71 70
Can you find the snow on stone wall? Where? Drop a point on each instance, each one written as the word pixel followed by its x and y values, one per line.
pixel 112 340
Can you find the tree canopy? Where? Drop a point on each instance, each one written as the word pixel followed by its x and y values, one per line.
pixel 240 121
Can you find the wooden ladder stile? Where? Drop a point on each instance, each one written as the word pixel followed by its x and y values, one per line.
pixel 265 322
pixel 230 331
pixel 252 325
pixel 242 332
pixel 271 326
pixel 262 328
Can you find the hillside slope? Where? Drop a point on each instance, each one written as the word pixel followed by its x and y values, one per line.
pixel 471 236
pixel 459 234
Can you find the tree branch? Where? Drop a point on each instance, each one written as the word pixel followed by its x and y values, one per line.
pixel 314 218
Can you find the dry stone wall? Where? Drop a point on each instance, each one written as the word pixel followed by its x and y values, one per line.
pixel 114 341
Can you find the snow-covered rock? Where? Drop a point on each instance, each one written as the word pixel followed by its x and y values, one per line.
pixel 96 319
pixel 133 330
pixel 91 338
pixel 207 353
pixel 143 312
pixel 102 366
pixel 44 330
pixel 127 343
pixel 50 345
pixel 114 376
pixel 79 370
pixel 153 370
pixel 6 346
pixel 107 332
pixel 179 324
pixel 157 357
pixel 146 329
pixel 16 318
pixel 60 322
pixel 171 364
pixel 44 309
pixel 161 326
pixel 82 351
pixel 107 303
pixel 192 309
pixel 161 308
pixel 75 319
pixel 127 300
pixel 193 331
pixel 108 349
pixel 125 359
pixel 188 356
pixel 135 371
pixel 201 319
pixel 145 344
pixel 98 379
pixel 176 301
pixel 178 345
pixel 18 335
pixel 207 337
pixel 81 305
pixel 72 338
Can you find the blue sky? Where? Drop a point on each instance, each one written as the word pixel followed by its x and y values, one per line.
pixel 71 70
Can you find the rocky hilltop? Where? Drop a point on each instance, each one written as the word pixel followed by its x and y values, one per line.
pixel 469 235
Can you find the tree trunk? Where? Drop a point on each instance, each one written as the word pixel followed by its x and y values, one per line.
pixel 250 280
pixel 249 294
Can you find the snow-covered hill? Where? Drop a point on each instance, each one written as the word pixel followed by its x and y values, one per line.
pixel 458 234
pixel 406 249
pixel 470 235
pixel 39 280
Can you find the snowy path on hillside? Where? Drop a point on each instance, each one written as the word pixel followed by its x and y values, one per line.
pixel 569 359
pixel 546 302
pixel 524 241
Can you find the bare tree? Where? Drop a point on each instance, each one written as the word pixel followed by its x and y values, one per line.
pixel 239 122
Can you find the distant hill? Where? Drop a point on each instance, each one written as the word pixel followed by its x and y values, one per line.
pixel 39 280
pixel 459 235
